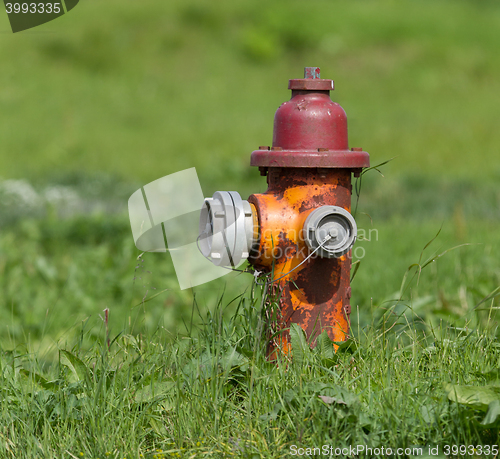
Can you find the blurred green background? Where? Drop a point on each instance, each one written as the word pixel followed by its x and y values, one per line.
pixel 116 94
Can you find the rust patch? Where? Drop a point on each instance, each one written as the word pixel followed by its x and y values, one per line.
pixel 319 281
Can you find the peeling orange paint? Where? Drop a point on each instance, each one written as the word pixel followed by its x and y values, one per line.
pixel 313 295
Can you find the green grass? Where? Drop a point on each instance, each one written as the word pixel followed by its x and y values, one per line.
pixel 117 94
pixel 190 378
pixel 403 383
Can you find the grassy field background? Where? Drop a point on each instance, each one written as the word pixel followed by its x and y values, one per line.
pixel 116 94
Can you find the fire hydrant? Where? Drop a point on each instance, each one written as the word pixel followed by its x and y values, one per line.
pixel 300 230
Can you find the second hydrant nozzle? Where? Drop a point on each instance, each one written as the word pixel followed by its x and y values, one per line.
pixel 335 223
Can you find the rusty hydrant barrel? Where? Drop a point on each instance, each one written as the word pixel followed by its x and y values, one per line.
pixel 308 166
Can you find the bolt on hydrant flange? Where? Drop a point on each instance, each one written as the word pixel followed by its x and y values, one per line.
pixel 300 229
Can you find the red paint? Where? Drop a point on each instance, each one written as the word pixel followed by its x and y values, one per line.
pixel 310 130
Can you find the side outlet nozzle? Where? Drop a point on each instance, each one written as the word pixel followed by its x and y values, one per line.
pixel 226 229
pixel 332 227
